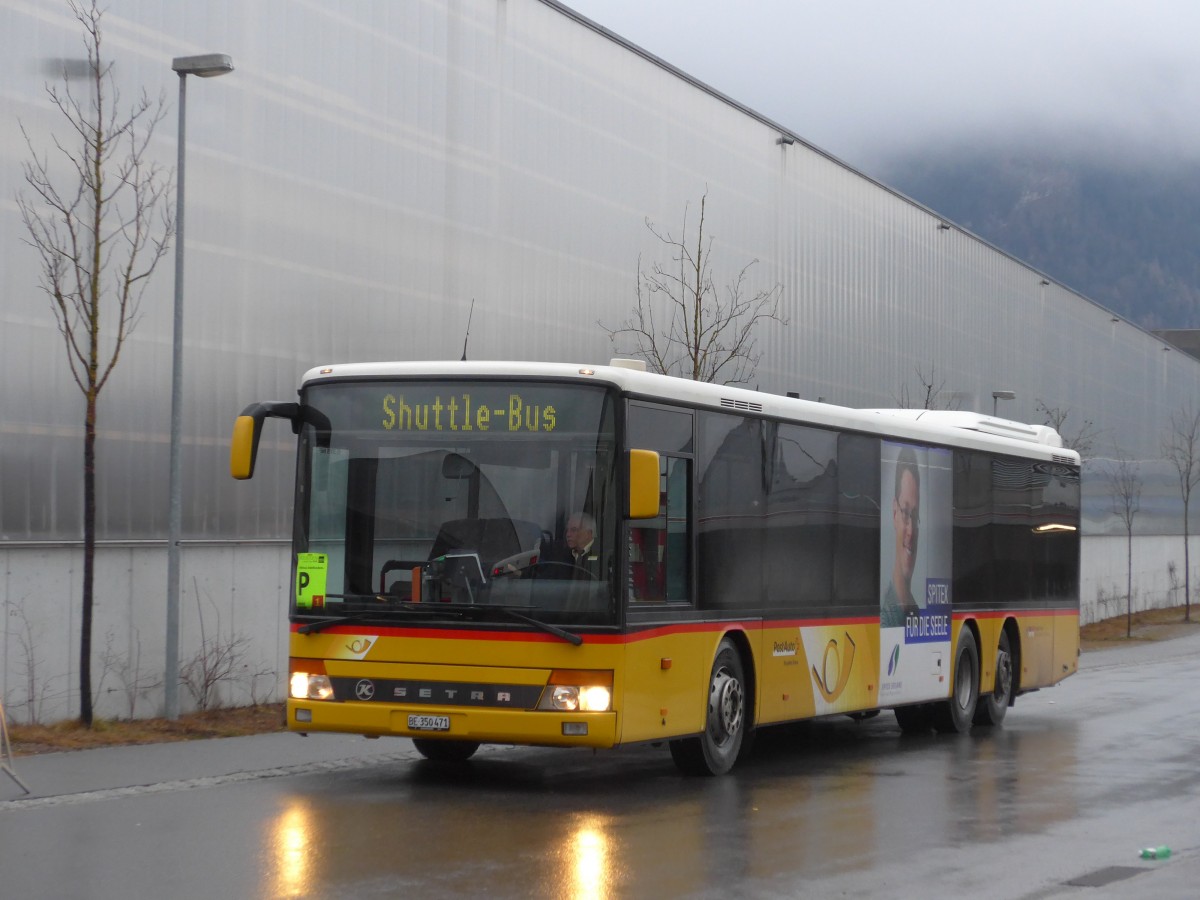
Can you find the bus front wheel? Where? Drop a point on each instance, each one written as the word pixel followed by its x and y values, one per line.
pixel 445 751
pixel 716 750
pixel 956 714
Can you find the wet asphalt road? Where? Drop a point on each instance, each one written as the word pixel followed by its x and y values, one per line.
pixel 1078 780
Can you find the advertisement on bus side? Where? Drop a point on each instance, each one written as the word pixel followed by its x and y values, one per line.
pixel 915 605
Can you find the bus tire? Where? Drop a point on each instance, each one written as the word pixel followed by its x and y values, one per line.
pixel 954 716
pixel 914 719
pixel 992 706
pixel 445 751
pixel 716 750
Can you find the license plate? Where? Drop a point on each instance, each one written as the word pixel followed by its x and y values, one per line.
pixel 429 723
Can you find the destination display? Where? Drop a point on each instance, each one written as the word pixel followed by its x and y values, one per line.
pixel 459 408
pixel 461 412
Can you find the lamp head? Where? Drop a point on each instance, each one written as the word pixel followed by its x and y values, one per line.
pixel 206 65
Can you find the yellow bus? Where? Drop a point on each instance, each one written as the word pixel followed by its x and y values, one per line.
pixel 576 556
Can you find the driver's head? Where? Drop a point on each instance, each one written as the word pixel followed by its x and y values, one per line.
pixel 581 527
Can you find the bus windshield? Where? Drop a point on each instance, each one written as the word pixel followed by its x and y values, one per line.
pixel 484 501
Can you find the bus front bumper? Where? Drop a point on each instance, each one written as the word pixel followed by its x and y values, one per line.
pixel 489 726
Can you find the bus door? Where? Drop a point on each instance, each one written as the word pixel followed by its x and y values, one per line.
pixel 660 549
pixel 666 668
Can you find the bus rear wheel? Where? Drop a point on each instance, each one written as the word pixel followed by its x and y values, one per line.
pixel 716 750
pixel 954 716
pixel 445 751
pixel 993 706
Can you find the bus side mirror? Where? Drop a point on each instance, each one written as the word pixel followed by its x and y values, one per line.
pixel 247 429
pixel 644 484
pixel 244 447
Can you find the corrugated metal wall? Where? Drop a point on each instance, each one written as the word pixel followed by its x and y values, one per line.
pixel 370 168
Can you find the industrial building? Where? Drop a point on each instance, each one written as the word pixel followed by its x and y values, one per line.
pixel 369 174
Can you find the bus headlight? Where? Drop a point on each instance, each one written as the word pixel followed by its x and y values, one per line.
pixel 309 686
pixel 578 692
pixel 597 699
pixel 564 698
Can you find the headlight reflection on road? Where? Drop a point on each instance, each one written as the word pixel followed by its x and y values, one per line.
pixel 291 849
pixel 589 860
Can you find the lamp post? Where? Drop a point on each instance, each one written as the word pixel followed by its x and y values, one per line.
pixel 205 66
pixel 997 396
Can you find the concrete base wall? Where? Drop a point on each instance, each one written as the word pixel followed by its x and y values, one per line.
pixel 1157 574
pixel 233 616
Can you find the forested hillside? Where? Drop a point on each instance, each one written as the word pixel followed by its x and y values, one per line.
pixel 1124 233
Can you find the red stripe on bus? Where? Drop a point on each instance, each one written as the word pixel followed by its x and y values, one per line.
pixel 445 633
pixel 649 633
pixel 1014 614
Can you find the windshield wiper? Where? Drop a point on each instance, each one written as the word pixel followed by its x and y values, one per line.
pixel 569 636
pixel 440 609
pixel 363 615
pixel 322 624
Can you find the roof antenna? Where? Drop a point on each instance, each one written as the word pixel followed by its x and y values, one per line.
pixel 467 336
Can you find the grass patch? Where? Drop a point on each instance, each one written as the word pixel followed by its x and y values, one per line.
pixel 212 723
pixel 1148 625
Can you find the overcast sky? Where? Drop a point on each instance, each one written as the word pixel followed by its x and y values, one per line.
pixel 863 80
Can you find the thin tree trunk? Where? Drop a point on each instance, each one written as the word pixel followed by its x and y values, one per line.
pixel 1129 584
pixel 89 559
pixel 1187 567
pixel 92 396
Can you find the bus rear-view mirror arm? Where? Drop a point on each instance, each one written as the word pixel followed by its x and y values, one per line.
pixel 247 430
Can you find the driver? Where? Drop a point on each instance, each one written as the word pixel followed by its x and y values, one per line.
pixel 573 558
pixel 581 532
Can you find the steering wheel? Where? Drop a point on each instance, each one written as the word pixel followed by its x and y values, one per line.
pixel 572 567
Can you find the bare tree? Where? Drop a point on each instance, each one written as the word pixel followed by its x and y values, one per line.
pixel 263 670
pixel 100 231
pixel 217 661
pixel 1181 446
pixel 1081 439
pixel 684 325
pixel 135 683
pixel 932 394
pixel 1125 483
pixel 28 641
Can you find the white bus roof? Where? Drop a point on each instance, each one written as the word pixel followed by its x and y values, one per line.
pixel 948 427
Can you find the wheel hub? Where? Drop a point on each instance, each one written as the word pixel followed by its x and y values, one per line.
pixel 964 683
pixel 725 707
pixel 1004 676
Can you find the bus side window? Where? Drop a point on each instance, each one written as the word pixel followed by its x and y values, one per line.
pixel 658 548
pixel 647 544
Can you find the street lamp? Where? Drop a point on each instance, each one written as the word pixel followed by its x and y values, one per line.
pixel 205 66
pixel 997 396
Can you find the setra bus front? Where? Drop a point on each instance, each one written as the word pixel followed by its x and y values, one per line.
pixel 455 556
